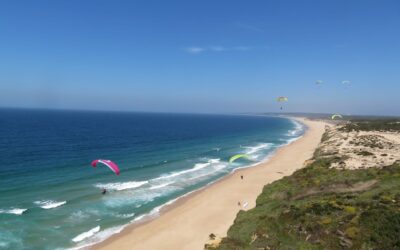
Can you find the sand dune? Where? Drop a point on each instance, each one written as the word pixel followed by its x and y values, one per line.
pixel 361 149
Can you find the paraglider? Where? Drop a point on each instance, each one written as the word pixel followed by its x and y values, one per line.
pixel 336 116
pixel 346 82
pixel 318 82
pixel 111 165
pixel 235 157
pixel 282 99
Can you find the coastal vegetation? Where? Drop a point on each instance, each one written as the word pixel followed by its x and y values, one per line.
pixel 372 125
pixel 325 207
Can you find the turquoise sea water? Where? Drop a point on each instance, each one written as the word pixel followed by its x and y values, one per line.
pixel 50 196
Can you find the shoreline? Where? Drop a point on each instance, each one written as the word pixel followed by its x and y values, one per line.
pixel 153 233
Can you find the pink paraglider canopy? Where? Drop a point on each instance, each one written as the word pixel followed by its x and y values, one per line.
pixel 108 163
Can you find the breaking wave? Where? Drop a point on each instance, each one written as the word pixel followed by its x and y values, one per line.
pixel 257 148
pixel 16 211
pixel 118 186
pixel 49 204
pixel 86 234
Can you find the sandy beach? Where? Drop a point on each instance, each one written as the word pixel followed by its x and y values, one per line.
pixel 187 223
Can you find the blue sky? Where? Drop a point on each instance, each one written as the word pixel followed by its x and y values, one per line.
pixel 201 56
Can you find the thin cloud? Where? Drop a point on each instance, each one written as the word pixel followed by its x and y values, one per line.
pixel 250 28
pixel 242 48
pixel 194 50
pixel 218 48
pixel 198 50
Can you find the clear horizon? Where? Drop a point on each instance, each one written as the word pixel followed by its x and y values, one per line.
pixel 311 114
pixel 208 57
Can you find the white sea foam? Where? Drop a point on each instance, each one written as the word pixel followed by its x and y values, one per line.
pixel 164 185
pixel 216 169
pixel 134 197
pixel 139 217
pixel 16 211
pixel 156 211
pixel 298 129
pixel 140 189
pixel 125 215
pixel 98 237
pixel 161 185
pixel 86 234
pixel 95 236
pixel 292 140
pixel 212 161
pixel 258 147
pixel 197 167
pixel 49 204
pixel 118 186
pixel 198 176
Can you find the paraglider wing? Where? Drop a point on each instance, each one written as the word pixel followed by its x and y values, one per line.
pixel 111 165
pixel 336 116
pixel 235 157
pixel 319 82
pixel 282 99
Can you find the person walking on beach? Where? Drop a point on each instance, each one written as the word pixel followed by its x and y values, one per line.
pixel 241 177
pixel 239 203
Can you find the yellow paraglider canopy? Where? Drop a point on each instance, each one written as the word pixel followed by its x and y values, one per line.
pixel 235 157
pixel 282 99
pixel 336 116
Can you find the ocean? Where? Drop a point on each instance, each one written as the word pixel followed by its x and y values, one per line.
pixel 50 195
